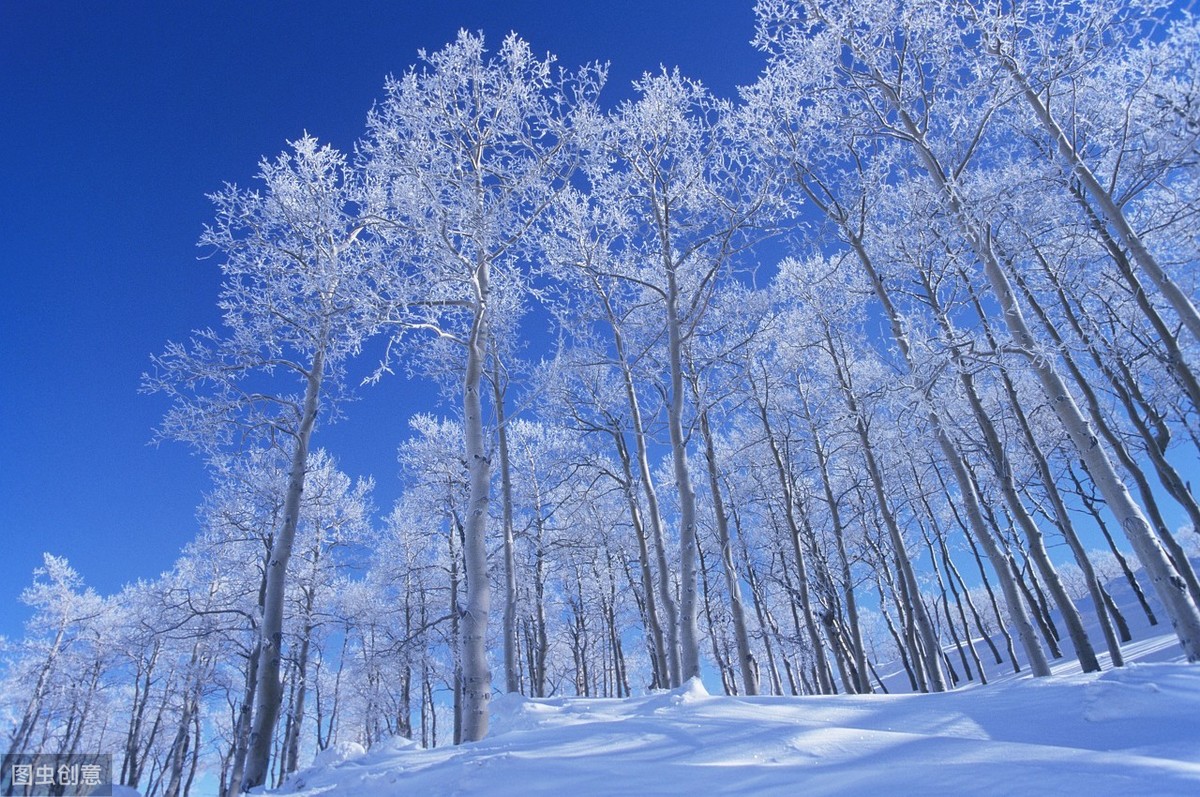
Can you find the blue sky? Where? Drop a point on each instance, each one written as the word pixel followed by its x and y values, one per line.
pixel 116 119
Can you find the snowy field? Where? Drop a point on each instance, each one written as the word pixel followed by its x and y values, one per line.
pixel 1131 731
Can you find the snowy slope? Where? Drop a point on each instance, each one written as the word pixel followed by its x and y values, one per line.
pixel 1131 731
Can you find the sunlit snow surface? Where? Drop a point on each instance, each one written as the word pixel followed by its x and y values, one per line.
pixel 1132 731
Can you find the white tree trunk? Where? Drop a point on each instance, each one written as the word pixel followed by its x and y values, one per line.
pixel 789 512
pixel 689 606
pixel 1185 618
pixel 1003 471
pixel 930 646
pixel 269 691
pixel 737 613
pixel 654 633
pixel 477 678
pixel 859 655
pixel 1017 613
pixel 512 680
pixel 665 598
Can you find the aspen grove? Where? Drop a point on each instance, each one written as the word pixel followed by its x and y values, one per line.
pixel 889 366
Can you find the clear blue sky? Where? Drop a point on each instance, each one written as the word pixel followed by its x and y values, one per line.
pixel 116 119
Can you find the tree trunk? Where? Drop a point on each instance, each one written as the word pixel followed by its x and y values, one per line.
pixel 932 660
pixel 901 646
pixel 728 684
pixel 1177 365
pixel 133 761
pixel 661 676
pixel 269 691
pixel 966 486
pixel 746 663
pixel 689 642
pixel 541 639
pixel 456 614
pixel 863 685
pixel 1125 389
pixel 178 752
pixel 764 627
pixel 945 601
pixel 291 743
pixel 477 678
pixel 1089 503
pixel 1179 560
pixel 1185 617
pixel 665 598
pixel 1003 470
pixel 953 581
pixel 512 679
pixel 1061 516
pixel 793 531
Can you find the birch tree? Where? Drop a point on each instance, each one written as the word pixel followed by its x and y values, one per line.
pixel 298 301
pixel 64 613
pixel 896 70
pixel 1042 47
pixel 842 175
pixel 593 392
pixel 673 201
pixel 463 156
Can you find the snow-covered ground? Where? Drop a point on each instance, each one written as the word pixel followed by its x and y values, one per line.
pixel 1130 731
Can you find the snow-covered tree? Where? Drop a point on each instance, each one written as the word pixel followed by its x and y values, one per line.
pixel 670 200
pixel 299 298
pixel 463 155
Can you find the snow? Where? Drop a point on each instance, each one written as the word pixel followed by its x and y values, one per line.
pixel 336 754
pixel 1134 730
